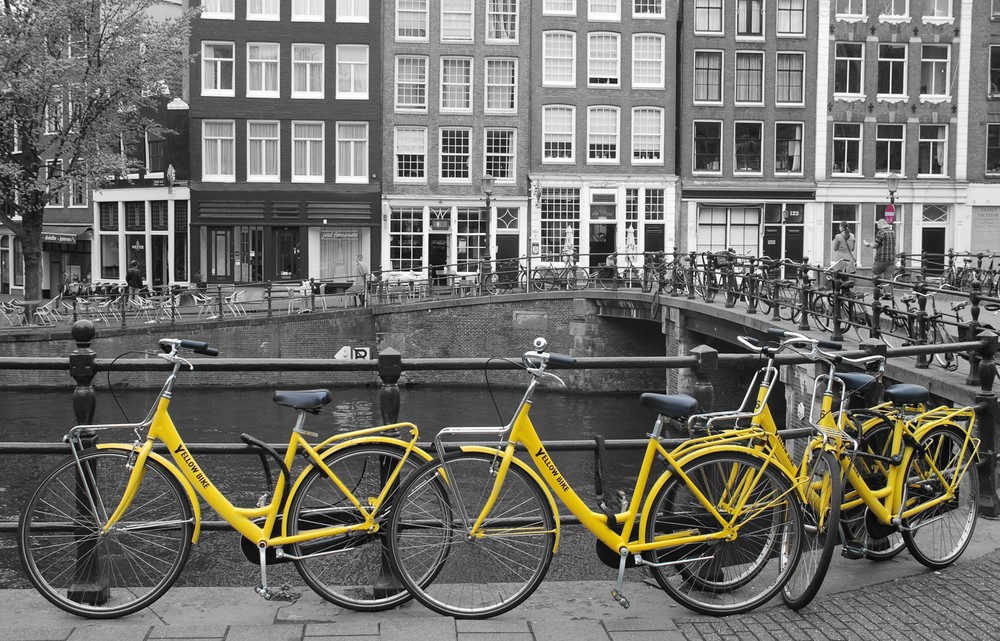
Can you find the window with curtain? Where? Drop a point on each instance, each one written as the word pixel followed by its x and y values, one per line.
pixel 934 61
pixel 708 16
pixel 647 135
pixel 791 17
pixel 411 153
pixel 262 69
pixel 602 134
pixel 848 67
pixel 411 83
pixel 604 59
pixel 312 10
pixel 850 7
pixel 501 154
pixel 847 148
pixel 749 77
pixel 604 9
pixel 217 68
pixel 893 7
pixel 263 143
pixel 501 20
pixel 892 69
pixel 352 152
pixel 352 71
pixel 559 7
pixel 747 145
pixel 224 9
pixel 456 20
pixel 749 17
pixel 788 147
pixel 456 84
pixel 501 85
pixel 708 146
pixel 889 146
pixel 350 10
pixel 455 154
pixel 558 133
pixel 411 19
pixel 559 59
pixel 789 78
pixel 708 76
pixel 937 8
pixel 219 150
pixel 307 71
pixel 307 151
pixel 647 8
pixel 647 61
pixel 933 153
pixel 263 9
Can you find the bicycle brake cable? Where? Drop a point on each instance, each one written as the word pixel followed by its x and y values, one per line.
pixel 489 388
pixel 111 388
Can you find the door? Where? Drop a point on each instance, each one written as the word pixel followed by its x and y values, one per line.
pixel 602 243
pixel 506 247
pixel 220 244
pixel 158 257
pixel 437 256
pixel 932 243
pixel 286 253
pixel 4 265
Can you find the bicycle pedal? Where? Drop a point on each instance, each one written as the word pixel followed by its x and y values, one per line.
pixel 263 593
pixel 620 598
pixel 852 551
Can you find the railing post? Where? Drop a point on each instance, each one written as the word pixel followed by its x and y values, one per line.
pixel 923 362
pixel 692 266
pixel 221 302
pixel 774 278
pixel 987 415
pixel 804 291
pixel 312 294
pixel 874 346
pixel 390 368
pixel 730 283
pixel 755 286
pixel 708 365
pixel 837 284
pixel 269 293
pixel 90 583
pixel 970 331
pixel 876 328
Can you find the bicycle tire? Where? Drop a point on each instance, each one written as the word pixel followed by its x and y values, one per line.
pixel 733 576
pixel 577 278
pixel 821 528
pixel 710 288
pixel 759 291
pixel 821 309
pixel 937 536
pixel 604 277
pixel 97 575
pixel 491 283
pixel 787 299
pixel 478 577
pixel 543 279
pixel 355 571
pixel 938 334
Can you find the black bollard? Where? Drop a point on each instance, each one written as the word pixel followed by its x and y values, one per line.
pixel 987 415
pixel 836 317
pixel 970 331
pixel 923 362
pixel 708 365
pixel 804 291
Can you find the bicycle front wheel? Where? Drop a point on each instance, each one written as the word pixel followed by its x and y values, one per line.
pixel 822 493
pixel 543 279
pixel 938 334
pixel 577 278
pixel 938 535
pixel 98 575
pixel 476 575
pixel 352 570
pixel 491 283
pixel 726 576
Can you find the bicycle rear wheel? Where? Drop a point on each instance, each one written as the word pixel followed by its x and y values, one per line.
pixel 821 520
pixel 726 576
pixel 86 572
pixel 481 575
pixel 820 308
pixel 788 300
pixel 543 279
pixel 937 536
pixel 577 278
pixel 938 334
pixel 491 283
pixel 352 570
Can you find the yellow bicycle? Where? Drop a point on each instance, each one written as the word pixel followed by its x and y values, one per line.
pixel 472 533
pixel 108 531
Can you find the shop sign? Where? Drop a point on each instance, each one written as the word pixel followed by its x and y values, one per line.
pixel 986 225
pixel 338 234
pixel 602 212
pixel 59 238
pixel 441 224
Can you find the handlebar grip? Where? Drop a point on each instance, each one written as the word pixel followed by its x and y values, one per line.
pixel 775 331
pixel 830 345
pixel 199 347
pixel 561 360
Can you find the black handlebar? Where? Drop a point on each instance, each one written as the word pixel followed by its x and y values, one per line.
pixel 561 360
pixel 831 345
pixel 199 347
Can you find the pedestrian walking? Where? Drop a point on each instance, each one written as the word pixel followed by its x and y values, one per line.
pixel 884 246
pixel 844 244
pixel 133 278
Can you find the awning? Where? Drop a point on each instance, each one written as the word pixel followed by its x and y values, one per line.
pixel 66 234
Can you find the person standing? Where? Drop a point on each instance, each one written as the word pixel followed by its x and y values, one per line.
pixel 843 250
pixel 361 281
pixel 133 278
pixel 885 253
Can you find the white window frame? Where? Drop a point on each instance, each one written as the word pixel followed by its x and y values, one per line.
pixel 858 158
pixel 759 34
pixel 53 198
pixel 699 54
pixel 592 135
pixel 511 156
pixel 861 73
pixel 905 13
pixel 604 16
pixel 994 128
pixel 801 141
pixel 893 61
pixel 354 11
pixel 860 13
pixel 311 176
pixel 571 134
pixel 760 153
pixel 660 62
pixel 637 133
pixel 709 9
pixel 77 186
pixel 785 7
pixel 653 15
pixel 262 64
pixel 216 10
pixel 548 10
pixel 939 5
pixel 417 8
pixel 356 74
pixel 493 39
pixel 272 15
pixel 941 143
pixel 466 64
pixel 901 142
pixel 802 78
pixel 547 57
pixel 358 147
pixel 511 88
pixel 218 63
pixel 417 82
pixel 422 133
pixel 934 62
pixel 298 15
pixel 310 93
pixel 264 143
pixel 604 36
pixel 219 177
pixel 469 11
pixel 759 55
pixel 451 180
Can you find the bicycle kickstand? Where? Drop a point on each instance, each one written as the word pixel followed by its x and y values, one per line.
pixel 617 591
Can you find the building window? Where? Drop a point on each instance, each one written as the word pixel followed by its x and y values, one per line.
pixel 217 69
pixel 647 9
pixel 411 83
pixel 54 111
pixel 560 209
pixel 135 216
pixel 602 135
pixel 218 9
pixel 848 67
pixel 937 8
pixel 791 17
pixel 708 146
pixel 934 76
pixel 456 84
pixel 995 11
pixel 850 7
pixel 994 71
pixel 708 16
pixel 53 171
pixel 263 10
pixel 500 157
pixel 263 150
pixel 456 20
pixel 156 159
pixel 559 7
pixel 455 145
pixel 307 71
pixel 993 149
pixel 219 151
pixel 647 135
pixel 647 61
pixel 722 228
pixel 787 148
pixel 889 145
pixel 352 152
pixel 707 76
pixel 349 10
pixel 844 213
pixel 501 20
pixel 312 10
pixel 108 216
pixel 77 192
pixel 749 77
pixel 473 223
pixel 603 60
pixel 406 238
pixel 789 79
pixel 501 85
pixel 559 59
pixel 262 69
pixel 159 220
pixel 933 156
pixel 747 146
pixel 894 8
pixel 750 18
pixel 603 10
pixel 352 72
pixel 411 154
pixel 847 148
pixel 180 262
pixel 307 151
pixel 558 134
pixel 892 69
pixel 411 19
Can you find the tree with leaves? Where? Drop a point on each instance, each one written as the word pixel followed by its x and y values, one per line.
pixel 79 82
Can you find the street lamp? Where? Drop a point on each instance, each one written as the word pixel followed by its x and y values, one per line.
pixel 890 211
pixel 487 182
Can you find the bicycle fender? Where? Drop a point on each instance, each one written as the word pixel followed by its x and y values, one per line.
pixel 192 497
pixel 524 466
pixel 647 509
